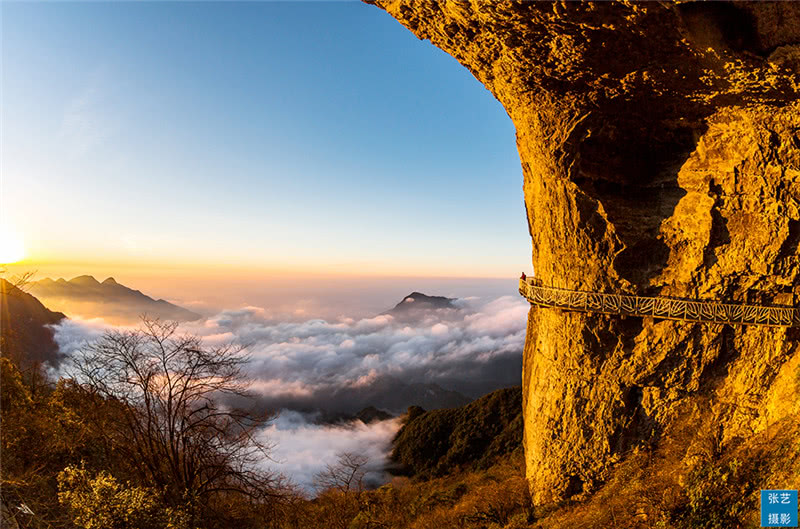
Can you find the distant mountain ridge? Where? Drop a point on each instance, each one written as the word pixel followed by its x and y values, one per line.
pixel 87 297
pixel 394 395
pixel 366 402
pixel 25 335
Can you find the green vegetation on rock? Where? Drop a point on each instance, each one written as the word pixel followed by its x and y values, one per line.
pixel 438 442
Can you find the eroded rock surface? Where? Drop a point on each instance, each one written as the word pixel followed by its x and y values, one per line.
pixel 660 147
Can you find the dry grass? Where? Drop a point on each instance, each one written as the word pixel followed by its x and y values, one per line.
pixel 493 498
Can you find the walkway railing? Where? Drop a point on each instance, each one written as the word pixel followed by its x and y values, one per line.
pixel 667 308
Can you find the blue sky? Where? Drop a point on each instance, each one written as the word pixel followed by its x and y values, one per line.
pixel 280 137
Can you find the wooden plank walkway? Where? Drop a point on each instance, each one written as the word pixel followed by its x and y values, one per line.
pixel 657 307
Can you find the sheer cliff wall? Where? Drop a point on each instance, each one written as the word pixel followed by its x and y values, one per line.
pixel 660 148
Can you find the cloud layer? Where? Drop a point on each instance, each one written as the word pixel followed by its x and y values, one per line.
pixel 344 365
pixel 303 448
pixel 318 364
pixel 316 371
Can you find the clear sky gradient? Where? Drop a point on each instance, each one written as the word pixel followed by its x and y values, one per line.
pixel 277 138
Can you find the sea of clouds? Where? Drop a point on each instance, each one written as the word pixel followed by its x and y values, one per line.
pixel 313 369
pixel 302 447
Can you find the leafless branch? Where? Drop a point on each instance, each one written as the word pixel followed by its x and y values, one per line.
pixel 346 474
pixel 176 429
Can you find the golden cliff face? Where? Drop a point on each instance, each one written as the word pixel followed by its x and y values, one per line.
pixel 660 147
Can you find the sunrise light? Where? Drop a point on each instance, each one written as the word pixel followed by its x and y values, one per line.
pixel 12 248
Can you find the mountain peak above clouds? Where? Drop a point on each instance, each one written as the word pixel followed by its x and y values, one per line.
pixel 419 301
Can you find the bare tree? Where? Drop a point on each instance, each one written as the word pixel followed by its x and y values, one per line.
pixel 346 474
pixel 175 429
pixel 17 284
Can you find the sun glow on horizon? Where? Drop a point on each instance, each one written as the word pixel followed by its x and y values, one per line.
pixel 12 249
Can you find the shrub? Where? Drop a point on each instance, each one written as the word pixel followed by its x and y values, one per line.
pixel 101 502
